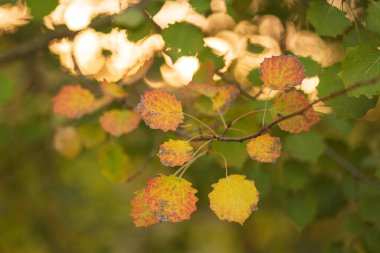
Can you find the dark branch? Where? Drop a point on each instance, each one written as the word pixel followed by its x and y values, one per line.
pixel 296 113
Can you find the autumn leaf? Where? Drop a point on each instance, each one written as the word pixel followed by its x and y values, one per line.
pixel 73 101
pixel 114 163
pixel 224 98
pixel 175 153
pixel 160 110
pixel 141 214
pixel 290 102
pixel 281 72
pixel 265 148
pixel 170 198
pixel 234 198
pixel 67 142
pixel 114 90
pixel 118 122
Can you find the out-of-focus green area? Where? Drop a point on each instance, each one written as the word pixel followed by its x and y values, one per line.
pixel 309 202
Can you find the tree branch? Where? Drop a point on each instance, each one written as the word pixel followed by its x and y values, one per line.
pixel 296 113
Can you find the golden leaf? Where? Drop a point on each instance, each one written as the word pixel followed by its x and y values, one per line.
pixel 170 198
pixel 160 110
pixel 281 72
pixel 224 98
pixel 67 142
pixel 175 153
pixel 265 148
pixel 141 214
pixel 73 101
pixel 290 102
pixel 118 122
pixel 234 198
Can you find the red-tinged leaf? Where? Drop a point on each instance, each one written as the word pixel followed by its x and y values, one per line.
pixel 73 101
pixel 118 122
pixel 265 148
pixel 288 103
pixel 160 110
pixel 141 214
pixel 234 198
pixel 175 153
pixel 224 98
pixel 281 72
pixel 170 198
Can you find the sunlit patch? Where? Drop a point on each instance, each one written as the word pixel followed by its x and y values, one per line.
pixel 78 14
pixel 308 44
pixel 13 16
pixel 309 84
pixel 181 72
pixel 63 48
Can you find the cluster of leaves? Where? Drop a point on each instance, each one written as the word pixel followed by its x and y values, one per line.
pixel 233 198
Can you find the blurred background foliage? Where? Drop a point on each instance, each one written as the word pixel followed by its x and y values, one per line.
pixel 322 195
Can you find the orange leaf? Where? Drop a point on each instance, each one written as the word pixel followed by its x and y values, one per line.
pixel 160 110
pixel 281 72
pixel 234 198
pixel 290 102
pixel 118 122
pixel 175 153
pixel 73 101
pixel 170 198
pixel 224 98
pixel 265 148
pixel 141 214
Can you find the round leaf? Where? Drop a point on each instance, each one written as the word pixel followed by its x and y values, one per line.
pixel 175 153
pixel 160 110
pixel 234 198
pixel 265 148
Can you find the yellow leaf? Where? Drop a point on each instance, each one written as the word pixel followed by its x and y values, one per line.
pixel 281 72
pixel 224 98
pixel 265 148
pixel 288 103
pixel 175 153
pixel 234 198
pixel 160 110
pixel 118 122
pixel 113 90
pixel 170 198
pixel 141 214
pixel 73 101
pixel 114 163
pixel 67 142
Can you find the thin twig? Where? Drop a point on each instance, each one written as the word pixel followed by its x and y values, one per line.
pixel 291 115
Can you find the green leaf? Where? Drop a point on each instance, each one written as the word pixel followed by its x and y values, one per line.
pixel 200 6
pixel 361 37
pixel 326 19
pixel 373 17
pixel 301 208
pixel 296 175
pixel 114 163
pixel 312 67
pixel 7 89
pixel 362 63
pixel 182 39
pixel 343 106
pixel 254 77
pixel 91 135
pixel 40 9
pixel 307 147
pixel 131 18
